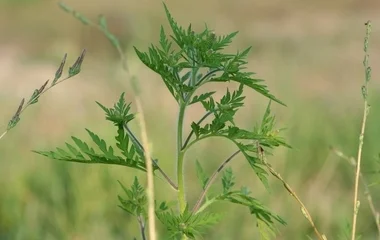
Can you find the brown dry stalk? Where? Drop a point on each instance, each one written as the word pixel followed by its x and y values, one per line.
pixel 357 172
pixel 367 193
pixel 361 136
pixel 304 210
pixel 149 168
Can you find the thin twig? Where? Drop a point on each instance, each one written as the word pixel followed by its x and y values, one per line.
pixel 142 227
pixel 304 210
pixel 137 142
pixel 150 179
pixel 367 193
pixel 361 136
pixel 211 180
pixel 192 131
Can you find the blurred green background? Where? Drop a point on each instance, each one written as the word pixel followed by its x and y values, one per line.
pixel 309 52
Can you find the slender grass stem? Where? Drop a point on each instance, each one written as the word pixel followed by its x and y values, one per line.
pixel 150 179
pixel 357 172
pixel 362 131
pixel 367 193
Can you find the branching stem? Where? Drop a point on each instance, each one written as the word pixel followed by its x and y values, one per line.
pixel 211 181
pixel 192 131
pixel 142 227
pixel 137 142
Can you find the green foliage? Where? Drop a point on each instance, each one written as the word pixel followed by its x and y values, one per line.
pixel 136 201
pixel 197 51
pixel 187 223
pixel 242 197
pixel 119 114
pixel 198 59
pixel 223 126
pixel 132 156
pixel 227 180
pixel 345 233
pixel 201 175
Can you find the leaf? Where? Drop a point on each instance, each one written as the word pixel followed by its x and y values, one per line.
pixel 108 152
pixel 164 66
pixel 196 129
pixel 201 174
pixel 187 223
pixel 119 114
pixel 224 41
pixel 186 76
pixel 255 207
pixel 254 162
pixel 82 153
pixel 136 201
pixel 179 32
pixel 164 42
pixel 245 79
pixel 266 231
pixel 201 97
pixel 227 180
pixel 267 123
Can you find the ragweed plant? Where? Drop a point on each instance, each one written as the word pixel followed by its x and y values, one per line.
pixel 199 58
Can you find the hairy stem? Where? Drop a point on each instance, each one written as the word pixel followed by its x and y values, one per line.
pixel 180 159
pixel 211 181
pixel 367 70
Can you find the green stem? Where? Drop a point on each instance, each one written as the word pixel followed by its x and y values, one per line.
pixel 180 159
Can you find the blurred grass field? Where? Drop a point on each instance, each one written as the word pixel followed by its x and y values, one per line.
pixel 309 52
